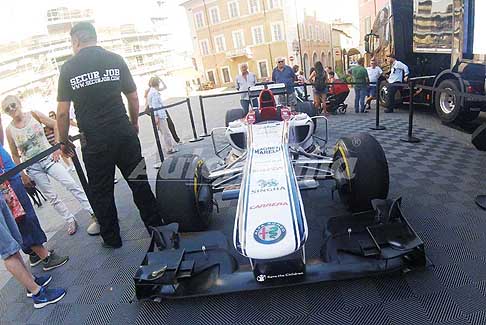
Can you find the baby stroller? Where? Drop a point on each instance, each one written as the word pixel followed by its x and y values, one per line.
pixel 336 103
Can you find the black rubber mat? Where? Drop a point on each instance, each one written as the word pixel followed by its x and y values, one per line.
pixel 438 179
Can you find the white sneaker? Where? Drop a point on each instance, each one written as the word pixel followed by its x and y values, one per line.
pixel 72 227
pixel 94 227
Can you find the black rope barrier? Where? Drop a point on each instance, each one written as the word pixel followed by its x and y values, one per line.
pixel 410 138
pixel 161 108
pixel 203 117
pixel 193 125
pixel 79 170
pixel 20 167
pixel 156 134
pixel 151 112
pixel 377 126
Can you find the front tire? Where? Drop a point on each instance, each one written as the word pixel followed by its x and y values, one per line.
pixel 184 195
pixel 233 115
pixel 361 171
pixel 307 108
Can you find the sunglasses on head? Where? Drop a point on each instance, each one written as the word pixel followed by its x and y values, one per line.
pixel 10 107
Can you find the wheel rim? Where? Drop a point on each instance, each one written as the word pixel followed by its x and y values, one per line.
pixel 383 94
pixel 447 101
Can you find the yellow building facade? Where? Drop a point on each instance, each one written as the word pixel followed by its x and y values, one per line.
pixel 227 33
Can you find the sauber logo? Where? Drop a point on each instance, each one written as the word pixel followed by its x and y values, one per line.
pixel 270 185
pixel 261 278
pixel 269 205
pixel 267 183
pixel 267 150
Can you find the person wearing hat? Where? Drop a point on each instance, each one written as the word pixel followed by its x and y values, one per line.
pixel 398 75
pixel 95 79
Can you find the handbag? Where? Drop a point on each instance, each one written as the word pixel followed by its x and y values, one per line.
pixel 11 198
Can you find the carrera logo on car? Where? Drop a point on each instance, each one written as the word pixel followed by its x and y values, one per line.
pixel 269 233
pixel 267 150
pixel 269 205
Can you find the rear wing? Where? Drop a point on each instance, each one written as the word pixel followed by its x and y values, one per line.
pixel 277 89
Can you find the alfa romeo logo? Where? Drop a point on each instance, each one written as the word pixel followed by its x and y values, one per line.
pixel 269 233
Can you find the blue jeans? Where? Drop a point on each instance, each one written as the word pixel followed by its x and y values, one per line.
pixel 360 94
pixel 245 104
pixel 10 238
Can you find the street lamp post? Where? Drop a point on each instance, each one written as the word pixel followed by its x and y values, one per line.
pixel 333 58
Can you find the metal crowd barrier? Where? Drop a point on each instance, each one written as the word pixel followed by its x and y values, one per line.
pixel 151 111
pixel 77 165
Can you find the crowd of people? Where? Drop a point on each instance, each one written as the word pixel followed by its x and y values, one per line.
pixel 325 82
pixel 93 81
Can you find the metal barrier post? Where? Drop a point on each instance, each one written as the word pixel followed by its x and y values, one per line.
pixel 156 134
pixel 191 117
pixel 203 116
pixel 377 126
pixel 410 138
pixel 81 175
pixel 80 172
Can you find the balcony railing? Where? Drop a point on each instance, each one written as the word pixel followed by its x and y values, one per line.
pixel 242 52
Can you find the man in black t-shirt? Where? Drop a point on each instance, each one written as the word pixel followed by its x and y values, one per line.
pixel 94 80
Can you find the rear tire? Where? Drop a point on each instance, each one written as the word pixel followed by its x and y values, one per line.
pixel 233 115
pixel 183 193
pixel 369 179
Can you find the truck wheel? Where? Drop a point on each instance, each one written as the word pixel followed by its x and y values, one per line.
pixel 383 95
pixel 233 115
pixel 447 106
pixel 361 171
pixel 184 194
pixel 307 108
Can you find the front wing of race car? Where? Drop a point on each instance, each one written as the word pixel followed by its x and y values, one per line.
pixel 180 265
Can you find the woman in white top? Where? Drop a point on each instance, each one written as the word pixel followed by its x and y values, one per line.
pixel 154 102
pixel 25 135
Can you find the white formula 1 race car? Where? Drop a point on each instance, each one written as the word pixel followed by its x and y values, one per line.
pixel 271 156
